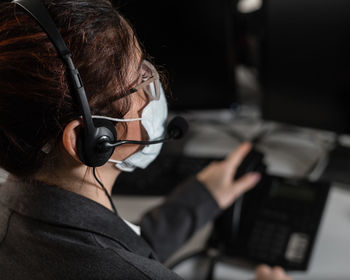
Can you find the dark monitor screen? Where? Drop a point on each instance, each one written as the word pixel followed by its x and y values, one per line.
pixel 193 40
pixel 305 70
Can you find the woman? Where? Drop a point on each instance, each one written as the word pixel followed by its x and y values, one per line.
pixel 56 215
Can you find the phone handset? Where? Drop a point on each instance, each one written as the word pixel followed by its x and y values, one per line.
pixel 253 162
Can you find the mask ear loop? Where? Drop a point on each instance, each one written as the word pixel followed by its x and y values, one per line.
pixel 115 119
pixel 115 161
pixel 125 165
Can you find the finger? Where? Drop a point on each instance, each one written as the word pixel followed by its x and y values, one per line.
pixel 262 272
pixel 277 273
pixel 245 183
pixel 278 270
pixel 236 157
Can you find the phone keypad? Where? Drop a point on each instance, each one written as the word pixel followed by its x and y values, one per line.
pixel 267 240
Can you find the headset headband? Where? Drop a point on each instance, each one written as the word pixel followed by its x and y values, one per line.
pixel 37 10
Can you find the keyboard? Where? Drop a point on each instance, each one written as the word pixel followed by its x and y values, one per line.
pixel 162 176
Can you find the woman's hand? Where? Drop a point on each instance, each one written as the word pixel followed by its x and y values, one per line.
pixel 219 177
pixel 264 272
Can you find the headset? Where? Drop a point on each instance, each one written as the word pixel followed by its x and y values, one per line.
pixel 98 138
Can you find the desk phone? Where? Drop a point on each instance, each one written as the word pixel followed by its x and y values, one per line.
pixel 275 223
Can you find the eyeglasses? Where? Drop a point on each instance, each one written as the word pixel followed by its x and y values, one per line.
pixel 150 81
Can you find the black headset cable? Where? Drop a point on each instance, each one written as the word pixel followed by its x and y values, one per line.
pixel 105 190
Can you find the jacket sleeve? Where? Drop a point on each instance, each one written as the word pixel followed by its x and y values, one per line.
pixel 167 227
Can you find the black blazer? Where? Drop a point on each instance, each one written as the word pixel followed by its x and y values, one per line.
pixel 50 233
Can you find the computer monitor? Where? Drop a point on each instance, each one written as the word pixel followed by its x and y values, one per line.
pixel 305 70
pixel 194 41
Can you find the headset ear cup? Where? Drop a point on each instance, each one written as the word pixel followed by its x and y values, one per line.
pixel 87 147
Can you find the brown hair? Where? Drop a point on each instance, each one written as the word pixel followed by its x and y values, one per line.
pixel 35 100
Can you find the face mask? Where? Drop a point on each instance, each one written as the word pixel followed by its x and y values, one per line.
pixel 153 119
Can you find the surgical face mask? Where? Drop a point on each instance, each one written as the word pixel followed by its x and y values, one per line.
pixel 153 119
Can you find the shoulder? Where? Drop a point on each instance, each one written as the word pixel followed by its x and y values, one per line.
pixel 140 263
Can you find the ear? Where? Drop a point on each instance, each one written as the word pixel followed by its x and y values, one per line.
pixel 69 138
